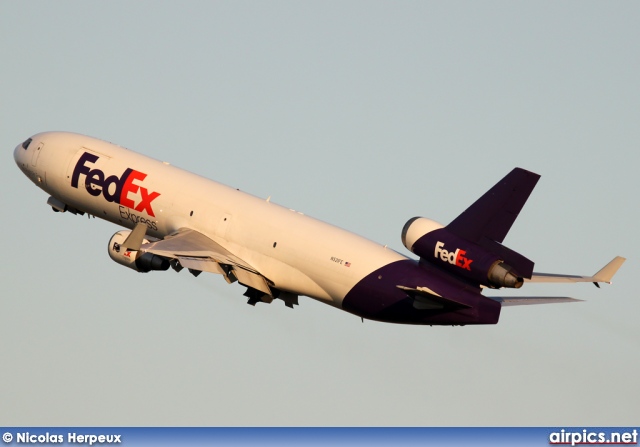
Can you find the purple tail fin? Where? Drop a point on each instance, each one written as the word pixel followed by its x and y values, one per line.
pixel 490 218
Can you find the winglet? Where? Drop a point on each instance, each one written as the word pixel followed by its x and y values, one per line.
pixel 134 240
pixel 606 273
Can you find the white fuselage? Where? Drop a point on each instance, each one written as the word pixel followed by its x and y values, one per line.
pixel 297 253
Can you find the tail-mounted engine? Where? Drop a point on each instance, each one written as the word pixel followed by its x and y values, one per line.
pixel 438 246
pixel 136 260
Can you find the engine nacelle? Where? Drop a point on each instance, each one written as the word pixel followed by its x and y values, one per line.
pixel 415 228
pixel 438 246
pixel 136 260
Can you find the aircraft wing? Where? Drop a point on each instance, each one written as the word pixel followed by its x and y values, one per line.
pixel 526 300
pixel 198 253
pixel 605 274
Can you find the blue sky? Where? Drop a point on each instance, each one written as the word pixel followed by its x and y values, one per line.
pixel 362 114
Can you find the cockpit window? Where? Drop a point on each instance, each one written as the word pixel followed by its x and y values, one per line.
pixel 26 144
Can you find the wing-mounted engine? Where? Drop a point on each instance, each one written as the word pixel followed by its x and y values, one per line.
pixel 136 260
pixel 438 246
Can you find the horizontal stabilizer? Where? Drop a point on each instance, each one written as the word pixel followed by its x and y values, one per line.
pixel 526 300
pixel 605 274
pixel 426 298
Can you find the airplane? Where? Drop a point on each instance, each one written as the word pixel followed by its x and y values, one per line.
pixel 177 219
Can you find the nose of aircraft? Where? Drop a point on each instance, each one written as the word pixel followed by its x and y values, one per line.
pixel 20 153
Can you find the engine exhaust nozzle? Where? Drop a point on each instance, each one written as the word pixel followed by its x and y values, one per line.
pixel 502 275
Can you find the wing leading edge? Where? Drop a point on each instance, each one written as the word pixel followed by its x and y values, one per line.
pixel 198 253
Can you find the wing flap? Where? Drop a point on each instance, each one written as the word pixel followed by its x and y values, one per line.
pixel 202 264
pixel 253 280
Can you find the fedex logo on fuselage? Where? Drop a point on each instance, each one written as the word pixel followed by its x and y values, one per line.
pixel 453 257
pixel 113 188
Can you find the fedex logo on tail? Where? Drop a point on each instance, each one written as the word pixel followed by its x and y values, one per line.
pixel 456 258
pixel 116 189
